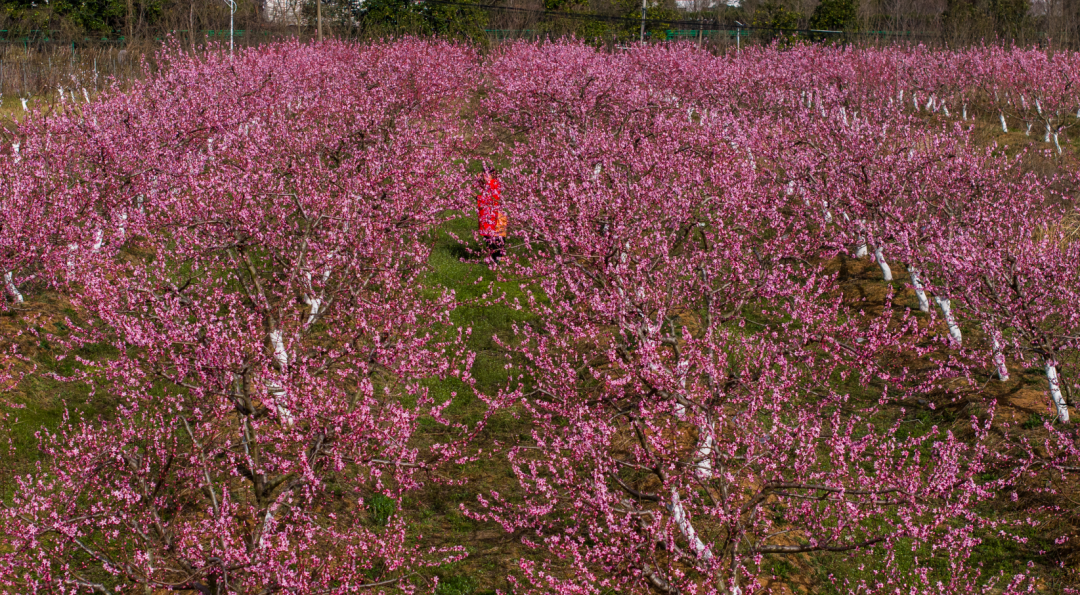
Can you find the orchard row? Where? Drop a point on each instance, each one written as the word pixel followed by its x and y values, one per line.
pixel 252 237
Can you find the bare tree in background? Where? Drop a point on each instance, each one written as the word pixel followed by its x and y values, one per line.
pixel 1062 20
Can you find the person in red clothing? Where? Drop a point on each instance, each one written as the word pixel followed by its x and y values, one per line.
pixel 492 218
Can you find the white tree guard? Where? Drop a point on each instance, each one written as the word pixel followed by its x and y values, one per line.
pixel 946 312
pixel 886 271
pixel 999 356
pixel 920 293
pixel 1055 391
pixel 678 514
pixel 13 291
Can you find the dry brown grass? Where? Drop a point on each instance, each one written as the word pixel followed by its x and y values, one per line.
pixel 1063 232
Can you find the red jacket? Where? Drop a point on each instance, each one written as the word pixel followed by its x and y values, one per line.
pixel 492 218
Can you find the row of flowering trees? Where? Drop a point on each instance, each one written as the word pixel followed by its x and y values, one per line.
pixel 1037 91
pixel 688 421
pixel 252 235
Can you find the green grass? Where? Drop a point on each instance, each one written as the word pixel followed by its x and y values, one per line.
pixel 460 268
pixel 41 399
pixel 781 568
pixel 995 555
pixel 456 584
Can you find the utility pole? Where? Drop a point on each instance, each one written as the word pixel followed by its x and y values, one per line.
pixel 232 11
pixel 738 37
pixel 318 16
pixel 643 4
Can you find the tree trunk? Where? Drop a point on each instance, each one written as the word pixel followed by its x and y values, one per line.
pixel 1055 391
pixel 13 291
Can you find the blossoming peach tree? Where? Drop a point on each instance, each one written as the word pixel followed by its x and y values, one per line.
pixel 273 334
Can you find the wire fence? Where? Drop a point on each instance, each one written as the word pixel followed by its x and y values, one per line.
pixel 36 63
pixel 670 29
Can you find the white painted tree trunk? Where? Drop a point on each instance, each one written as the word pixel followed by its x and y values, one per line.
pixel 311 298
pixel 276 391
pixel 1055 391
pixel 1004 128
pixel 946 312
pixel 999 357
pixel 860 248
pixel 678 514
pixel 924 304
pixel 13 291
pixel 277 394
pixel 267 519
pixel 26 109
pixel 1027 131
pixel 703 455
pixel 72 250
pixel 886 272
pixel 313 303
pixel 281 357
pixel 99 239
pixel 1057 144
pixel 706 441
pixel 965 112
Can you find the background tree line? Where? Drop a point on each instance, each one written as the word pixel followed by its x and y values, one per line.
pixel 946 21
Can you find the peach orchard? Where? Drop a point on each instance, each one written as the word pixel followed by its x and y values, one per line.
pixel 251 236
